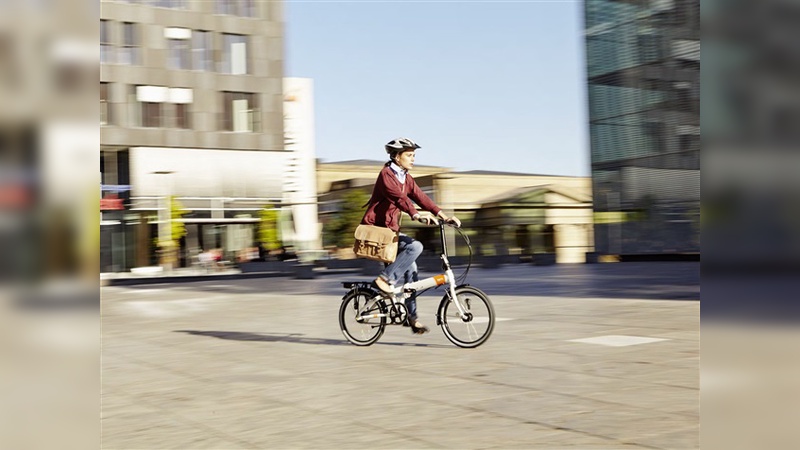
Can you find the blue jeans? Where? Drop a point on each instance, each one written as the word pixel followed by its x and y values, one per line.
pixel 404 268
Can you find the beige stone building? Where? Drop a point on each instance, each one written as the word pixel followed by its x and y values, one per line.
pixel 366 169
pixel 191 100
pixel 504 213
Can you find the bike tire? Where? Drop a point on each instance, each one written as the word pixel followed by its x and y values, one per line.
pixel 471 333
pixel 361 333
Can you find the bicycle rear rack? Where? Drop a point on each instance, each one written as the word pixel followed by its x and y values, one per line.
pixel 358 284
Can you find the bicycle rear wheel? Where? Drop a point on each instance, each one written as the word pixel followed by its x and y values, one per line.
pixel 355 318
pixel 477 327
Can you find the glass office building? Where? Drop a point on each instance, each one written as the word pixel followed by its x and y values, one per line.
pixel 643 63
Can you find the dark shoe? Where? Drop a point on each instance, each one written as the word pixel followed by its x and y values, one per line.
pixel 381 284
pixel 417 327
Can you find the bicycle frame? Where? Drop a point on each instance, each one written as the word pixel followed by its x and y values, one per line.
pixel 408 289
pixel 465 314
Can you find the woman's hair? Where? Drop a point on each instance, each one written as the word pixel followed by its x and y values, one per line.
pixel 394 154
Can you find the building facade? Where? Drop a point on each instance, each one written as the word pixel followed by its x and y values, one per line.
pixel 300 182
pixel 192 119
pixel 503 213
pixel 643 63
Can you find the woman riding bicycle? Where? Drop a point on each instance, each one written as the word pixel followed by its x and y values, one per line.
pixel 393 193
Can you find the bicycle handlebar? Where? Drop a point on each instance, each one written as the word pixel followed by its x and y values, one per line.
pixel 440 223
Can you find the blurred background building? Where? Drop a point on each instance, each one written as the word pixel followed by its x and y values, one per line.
pixel 503 213
pixel 643 63
pixel 204 141
pixel 48 142
pixel 192 132
pixel 300 187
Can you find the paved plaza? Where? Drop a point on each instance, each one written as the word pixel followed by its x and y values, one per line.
pixel 600 356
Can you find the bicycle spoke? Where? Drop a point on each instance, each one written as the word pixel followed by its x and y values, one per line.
pixel 356 321
pixel 479 322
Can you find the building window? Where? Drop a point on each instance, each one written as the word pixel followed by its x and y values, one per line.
pixel 178 54
pixel 202 49
pixel 161 107
pixel 180 100
pixel 243 8
pixel 225 6
pixel 655 135
pixel 178 58
pixel 106 46
pixel 234 54
pixel 105 105
pixel 240 112
pixel 248 8
pixel 129 53
pixel 151 114
pixel 180 113
pixel 149 100
pixel 175 4
pixel 178 49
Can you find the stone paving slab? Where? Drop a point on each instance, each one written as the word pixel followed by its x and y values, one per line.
pixel 261 365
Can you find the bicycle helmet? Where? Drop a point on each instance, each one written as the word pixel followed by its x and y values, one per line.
pixel 400 144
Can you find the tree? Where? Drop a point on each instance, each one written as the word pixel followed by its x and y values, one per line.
pixel 339 230
pixel 268 235
pixel 168 249
pixel 177 227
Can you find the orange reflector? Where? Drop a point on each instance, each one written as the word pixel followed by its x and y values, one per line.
pixel 440 279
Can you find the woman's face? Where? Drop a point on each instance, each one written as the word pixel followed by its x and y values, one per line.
pixel 405 159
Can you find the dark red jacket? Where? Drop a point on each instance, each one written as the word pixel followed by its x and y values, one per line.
pixel 389 197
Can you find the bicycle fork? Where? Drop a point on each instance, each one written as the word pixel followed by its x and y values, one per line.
pixel 451 289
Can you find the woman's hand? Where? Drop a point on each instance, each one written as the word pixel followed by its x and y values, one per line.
pixel 427 219
pixel 451 220
pixel 454 221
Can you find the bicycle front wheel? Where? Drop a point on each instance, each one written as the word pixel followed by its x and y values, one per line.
pixel 476 328
pixel 357 318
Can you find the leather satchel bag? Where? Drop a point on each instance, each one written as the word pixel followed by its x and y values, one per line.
pixel 375 243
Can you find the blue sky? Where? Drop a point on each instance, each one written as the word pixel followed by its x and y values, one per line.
pixel 479 85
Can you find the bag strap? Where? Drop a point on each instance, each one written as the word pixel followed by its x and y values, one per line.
pixel 400 222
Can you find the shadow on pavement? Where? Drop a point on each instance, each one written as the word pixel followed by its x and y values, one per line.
pixel 291 338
